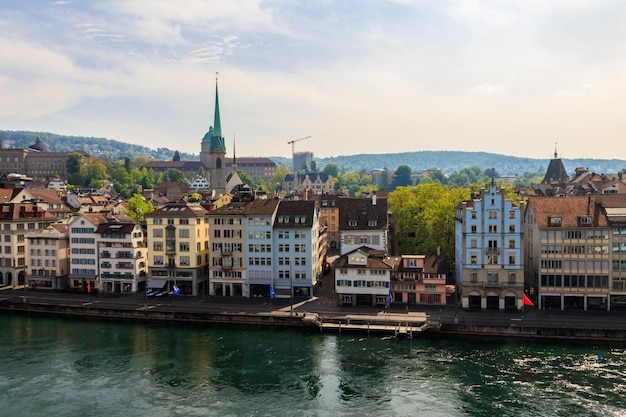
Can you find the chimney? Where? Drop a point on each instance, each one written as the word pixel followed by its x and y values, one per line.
pixel 374 198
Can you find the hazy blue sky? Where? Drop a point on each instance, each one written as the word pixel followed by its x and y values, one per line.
pixel 379 76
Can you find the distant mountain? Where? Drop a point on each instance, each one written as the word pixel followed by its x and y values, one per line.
pixel 447 161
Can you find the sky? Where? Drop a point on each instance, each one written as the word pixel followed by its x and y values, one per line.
pixel 369 76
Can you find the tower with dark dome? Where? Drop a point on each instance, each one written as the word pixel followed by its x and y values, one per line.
pixel 213 152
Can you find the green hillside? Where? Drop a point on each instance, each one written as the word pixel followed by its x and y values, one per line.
pixel 446 161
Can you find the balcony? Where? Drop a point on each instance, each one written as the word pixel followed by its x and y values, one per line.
pixel 492 250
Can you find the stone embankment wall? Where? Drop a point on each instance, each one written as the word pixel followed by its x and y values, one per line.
pixel 534 332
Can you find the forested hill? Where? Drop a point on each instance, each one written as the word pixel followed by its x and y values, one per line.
pixel 446 161
pixel 454 161
pixel 94 146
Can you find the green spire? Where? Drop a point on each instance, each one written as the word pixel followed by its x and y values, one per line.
pixel 217 141
pixel 217 126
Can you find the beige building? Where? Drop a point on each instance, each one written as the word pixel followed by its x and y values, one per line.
pixel 568 251
pixel 49 257
pixel 16 221
pixel 228 250
pixel 178 245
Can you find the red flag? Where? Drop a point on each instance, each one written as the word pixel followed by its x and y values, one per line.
pixel 527 301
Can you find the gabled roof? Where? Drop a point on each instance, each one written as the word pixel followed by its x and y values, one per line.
pixel 179 210
pixel 613 206
pixel 262 207
pixel 289 209
pixel 362 214
pixel 23 211
pixel 374 260
pixel 569 209
pixel 47 195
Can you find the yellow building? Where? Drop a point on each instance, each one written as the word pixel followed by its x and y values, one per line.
pixel 178 243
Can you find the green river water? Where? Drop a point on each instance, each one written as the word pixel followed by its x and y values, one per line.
pixel 71 367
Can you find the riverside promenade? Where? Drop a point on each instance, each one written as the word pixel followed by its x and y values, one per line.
pixel 322 312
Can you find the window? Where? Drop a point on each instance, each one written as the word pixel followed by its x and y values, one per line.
pixel 474 277
pixel 493 228
pixel 473 243
pixel 492 214
pixel 157 246
pixel 511 259
pixel 184 260
pixel 554 220
pixel 183 246
pixel 473 228
pixel 158 259
pixel 473 214
pixel 511 277
pixel 157 232
pixel 183 233
pixel 492 277
pixel 473 259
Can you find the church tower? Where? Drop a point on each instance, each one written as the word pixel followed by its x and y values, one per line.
pixel 213 152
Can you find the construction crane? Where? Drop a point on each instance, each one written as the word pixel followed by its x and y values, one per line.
pixel 293 151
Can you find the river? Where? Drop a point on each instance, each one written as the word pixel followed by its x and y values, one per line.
pixel 72 367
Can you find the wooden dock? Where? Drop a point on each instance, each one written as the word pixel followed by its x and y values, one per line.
pixel 400 325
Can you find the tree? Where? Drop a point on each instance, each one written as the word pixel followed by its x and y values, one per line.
pixel 246 178
pixel 276 182
pixel 176 157
pixel 139 161
pixel 95 172
pixel 73 163
pixel 402 178
pixel 332 170
pixel 139 207
pixel 173 174
pixel 424 218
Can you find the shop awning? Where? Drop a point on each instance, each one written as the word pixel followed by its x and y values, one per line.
pixel 157 283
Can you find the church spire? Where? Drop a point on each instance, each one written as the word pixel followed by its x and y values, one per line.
pixel 234 155
pixel 217 125
pixel 217 141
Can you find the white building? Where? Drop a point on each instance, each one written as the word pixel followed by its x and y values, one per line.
pixel 295 235
pixel 84 251
pixel 362 278
pixel 363 222
pixel 260 216
pixel 122 255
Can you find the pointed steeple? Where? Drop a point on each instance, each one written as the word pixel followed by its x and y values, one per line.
pixel 217 141
pixel 234 155
pixel 217 125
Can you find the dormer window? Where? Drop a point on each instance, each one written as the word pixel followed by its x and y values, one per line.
pixel 352 223
pixel 372 223
pixel 584 220
pixel 555 221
